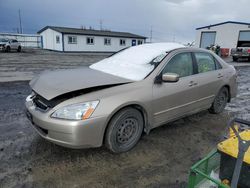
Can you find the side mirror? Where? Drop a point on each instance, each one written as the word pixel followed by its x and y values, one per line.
pixel 170 77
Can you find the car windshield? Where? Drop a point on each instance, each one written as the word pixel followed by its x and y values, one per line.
pixel 135 63
pixel 3 40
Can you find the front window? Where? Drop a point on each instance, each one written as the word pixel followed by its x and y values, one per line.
pixel 90 40
pixel 181 64
pixel 122 42
pixel 72 40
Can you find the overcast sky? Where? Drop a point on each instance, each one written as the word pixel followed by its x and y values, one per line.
pixel 171 20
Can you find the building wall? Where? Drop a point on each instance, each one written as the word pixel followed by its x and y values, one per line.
pixel 226 35
pixel 49 40
pixel 98 45
pixel 26 40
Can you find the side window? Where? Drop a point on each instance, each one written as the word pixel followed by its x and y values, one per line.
pixel 90 40
pixel 72 40
pixel 122 42
pixel 181 64
pixel 205 62
pixel 57 39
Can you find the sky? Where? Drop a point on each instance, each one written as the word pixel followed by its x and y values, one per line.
pixel 169 20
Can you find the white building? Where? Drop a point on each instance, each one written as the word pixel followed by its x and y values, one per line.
pixel 87 40
pixel 26 40
pixel 226 34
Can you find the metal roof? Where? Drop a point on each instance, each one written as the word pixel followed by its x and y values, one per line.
pixel 78 31
pixel 222 23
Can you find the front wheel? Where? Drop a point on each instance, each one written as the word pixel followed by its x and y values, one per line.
pixel 220 101
pixel 7 49
pixel 19 49
pixel 124 130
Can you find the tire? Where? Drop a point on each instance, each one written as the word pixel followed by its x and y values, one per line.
pixel 235 58
pixel 19 49
pixel 124 130
pixel 7 49
pixel 220 101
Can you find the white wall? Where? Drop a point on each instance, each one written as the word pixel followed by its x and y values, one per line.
pixel 49 40
pixel 226 35
pixel 98 45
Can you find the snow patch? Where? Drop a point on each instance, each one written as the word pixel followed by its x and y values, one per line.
pixel 134 63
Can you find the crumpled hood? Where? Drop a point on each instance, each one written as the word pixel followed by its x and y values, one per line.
pixel 51 84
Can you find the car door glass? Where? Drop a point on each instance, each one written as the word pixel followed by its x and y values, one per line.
pixel 180 64
pixel 205 62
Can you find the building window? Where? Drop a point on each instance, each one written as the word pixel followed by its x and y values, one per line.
pixel 72 40
pixel 122 42
pixel 57 39
pixel 90 40
pixel 139 42
pixel 107 41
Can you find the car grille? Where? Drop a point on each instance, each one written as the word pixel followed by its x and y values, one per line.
pixel 40 103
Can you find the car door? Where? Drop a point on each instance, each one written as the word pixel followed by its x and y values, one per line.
pixel 209 78
pixel 173 100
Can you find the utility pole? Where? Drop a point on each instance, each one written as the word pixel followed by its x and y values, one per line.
pixel 20 22
pixel 151 34
pixel 100 24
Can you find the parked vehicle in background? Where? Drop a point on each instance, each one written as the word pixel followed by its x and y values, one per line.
pixel 242 51
pixel 10 44
pixel 115 100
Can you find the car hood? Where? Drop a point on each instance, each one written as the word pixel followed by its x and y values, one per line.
pixel 51 84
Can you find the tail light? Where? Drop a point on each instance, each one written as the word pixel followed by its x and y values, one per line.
pixel 248 51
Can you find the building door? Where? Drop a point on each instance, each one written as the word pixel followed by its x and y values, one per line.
pixel 207 39
pixel 244 39
pixel 133 42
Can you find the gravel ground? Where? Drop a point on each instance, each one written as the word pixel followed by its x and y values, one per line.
pixel 161 159
pixel 23 66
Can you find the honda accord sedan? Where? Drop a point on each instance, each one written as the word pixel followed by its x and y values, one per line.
pixel 114 101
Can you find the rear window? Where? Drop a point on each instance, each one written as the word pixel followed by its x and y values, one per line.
pixel 205 62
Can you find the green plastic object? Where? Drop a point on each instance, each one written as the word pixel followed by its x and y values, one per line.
pixel 201 171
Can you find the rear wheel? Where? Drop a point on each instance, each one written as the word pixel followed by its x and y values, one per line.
pixel 19 49
pixel 220 101
pixel 124 130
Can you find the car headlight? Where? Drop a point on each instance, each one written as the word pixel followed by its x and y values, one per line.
pixel 78 111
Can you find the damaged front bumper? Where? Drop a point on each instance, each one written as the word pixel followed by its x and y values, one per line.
pixel 68 133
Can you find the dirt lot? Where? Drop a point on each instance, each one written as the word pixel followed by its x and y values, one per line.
pixel 23 66
pixel 161 159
